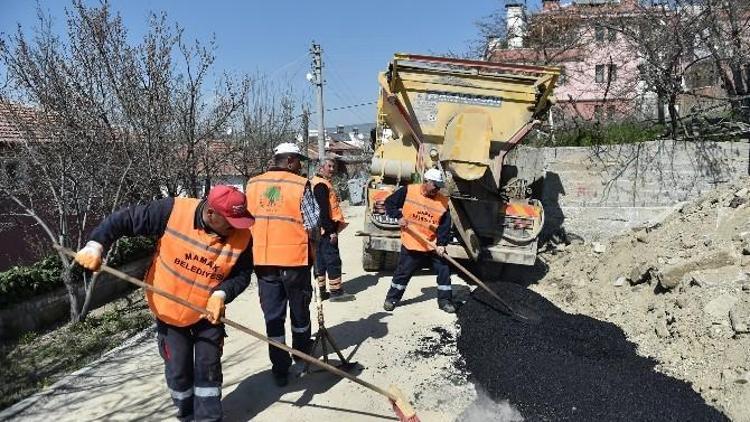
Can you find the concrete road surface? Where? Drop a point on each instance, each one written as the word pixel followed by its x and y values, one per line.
pixel 413 347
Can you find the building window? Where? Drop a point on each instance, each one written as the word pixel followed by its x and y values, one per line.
pixel 599 33
pixel 599 78
pixel 612 73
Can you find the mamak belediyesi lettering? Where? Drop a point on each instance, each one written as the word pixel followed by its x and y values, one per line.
pixel 212 273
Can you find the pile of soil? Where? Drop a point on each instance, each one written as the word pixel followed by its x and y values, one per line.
pixel 651 326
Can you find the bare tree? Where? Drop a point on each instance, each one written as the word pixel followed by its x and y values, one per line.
pixel 268 118
pixel 725 41
pixel 111 122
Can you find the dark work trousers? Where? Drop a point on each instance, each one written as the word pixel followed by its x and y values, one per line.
pixel 327 259
pixel 411 261
pixel 278 286
pixel 192 366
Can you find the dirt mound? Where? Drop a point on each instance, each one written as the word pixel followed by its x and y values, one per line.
pixel 679 291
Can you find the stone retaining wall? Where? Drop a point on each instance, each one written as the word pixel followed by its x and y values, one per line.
pixel 599 192
pixel 53 307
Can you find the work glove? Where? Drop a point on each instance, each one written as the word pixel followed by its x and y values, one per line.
pixel 402 222
pixel 334 238
pixel 90 256
pixel 440 250
pixel 215 307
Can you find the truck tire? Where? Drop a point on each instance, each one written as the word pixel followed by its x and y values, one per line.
pixel 372 260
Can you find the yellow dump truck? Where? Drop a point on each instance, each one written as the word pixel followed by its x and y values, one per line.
pixel 462 117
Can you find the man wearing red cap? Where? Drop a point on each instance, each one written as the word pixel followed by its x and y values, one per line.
pixel 202 256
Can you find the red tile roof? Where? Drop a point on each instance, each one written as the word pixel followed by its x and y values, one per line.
pixel 18 122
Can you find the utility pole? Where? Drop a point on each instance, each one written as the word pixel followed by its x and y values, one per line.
pixel 317 79
pixel 306 134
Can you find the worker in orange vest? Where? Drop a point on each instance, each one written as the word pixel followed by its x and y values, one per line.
pixel 202 256
pixel 332 222
pixel 422 208
pixel 286 216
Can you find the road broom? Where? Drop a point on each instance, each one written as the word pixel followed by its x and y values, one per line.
pixel 468 273
pixel 400 404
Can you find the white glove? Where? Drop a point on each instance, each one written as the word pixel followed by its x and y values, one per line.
pixel 90 256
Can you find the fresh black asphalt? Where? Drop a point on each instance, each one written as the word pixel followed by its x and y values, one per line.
pixel 563 367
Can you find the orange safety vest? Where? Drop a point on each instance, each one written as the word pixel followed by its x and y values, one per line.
pixel 279 236
pixel 423 216
pixel 190 263
pixel 333 199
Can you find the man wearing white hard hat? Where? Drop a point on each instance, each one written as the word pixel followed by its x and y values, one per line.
pixel 286 213
pixel 423 209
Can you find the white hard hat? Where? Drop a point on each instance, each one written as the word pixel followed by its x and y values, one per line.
pixel 434 175
pixel 288 148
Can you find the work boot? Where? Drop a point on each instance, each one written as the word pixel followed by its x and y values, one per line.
pixel 322 287
pixel 339 295
pixel 389 305
pixel 446 305
pixel 281 380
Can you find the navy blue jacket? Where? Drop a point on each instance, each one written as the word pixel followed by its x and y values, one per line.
pixel 151 219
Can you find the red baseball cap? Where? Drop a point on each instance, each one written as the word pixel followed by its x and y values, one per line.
pixel 231 204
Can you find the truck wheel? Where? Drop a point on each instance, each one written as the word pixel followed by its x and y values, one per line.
pixel 390 261
pixel 372 260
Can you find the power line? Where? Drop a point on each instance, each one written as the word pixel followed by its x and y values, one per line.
pixel 348 106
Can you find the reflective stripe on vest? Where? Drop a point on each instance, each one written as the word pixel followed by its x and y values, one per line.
pixel 279 236
pixel 333 199
pixel 190 263
pixel 423 215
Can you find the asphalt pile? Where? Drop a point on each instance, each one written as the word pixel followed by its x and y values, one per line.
pixel 558 366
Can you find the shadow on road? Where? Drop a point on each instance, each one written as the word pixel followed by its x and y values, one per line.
pixel 258 392
pixel 363 282
pixel 568 367
pixel 354 333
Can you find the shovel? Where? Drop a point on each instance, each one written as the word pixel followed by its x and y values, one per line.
pixel 508 309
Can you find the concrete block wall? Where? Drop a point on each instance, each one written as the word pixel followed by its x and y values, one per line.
pixel 599 192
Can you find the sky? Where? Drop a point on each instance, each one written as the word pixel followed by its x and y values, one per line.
pixel 273 37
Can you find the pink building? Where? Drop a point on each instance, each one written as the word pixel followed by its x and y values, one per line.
pixel 601 77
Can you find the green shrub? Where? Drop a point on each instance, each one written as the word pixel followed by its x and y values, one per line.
pixel 591 134
pixel 131 248
pixel 21 283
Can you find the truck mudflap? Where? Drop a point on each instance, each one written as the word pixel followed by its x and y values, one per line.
pixel 504 251
pixel 522 220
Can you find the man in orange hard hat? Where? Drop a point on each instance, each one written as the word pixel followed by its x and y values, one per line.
pixel 203 257
pixel 423 209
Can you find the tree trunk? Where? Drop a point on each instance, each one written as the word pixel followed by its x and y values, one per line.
pixel 89 294
pixel 660 108
pixel 673 116
pixel 70 286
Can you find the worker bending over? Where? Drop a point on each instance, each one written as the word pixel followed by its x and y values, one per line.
pixel 286 214
pixel 422 208
pixel 202 256
pixel 327 258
